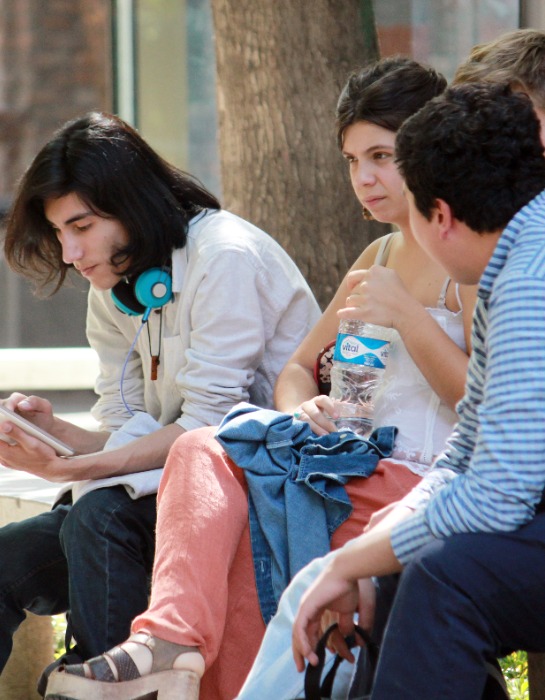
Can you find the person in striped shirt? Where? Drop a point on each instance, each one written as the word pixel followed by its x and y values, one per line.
pixel 469 540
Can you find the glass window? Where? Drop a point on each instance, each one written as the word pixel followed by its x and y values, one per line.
pixel 172 78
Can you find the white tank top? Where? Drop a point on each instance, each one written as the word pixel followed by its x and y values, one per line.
pixel 405 399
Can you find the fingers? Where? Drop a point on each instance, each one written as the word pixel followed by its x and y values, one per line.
pixel 305 636
pixel 353 312
pixel 329 618
pixel 306 630
pixel 316 413
pixel 27 406
pixel 354 278
pixel 361 278
pixel 336 641
pixel 24 441
pixel 367 595
pixel 328 591
pixel 13 401
pixel 338 645
pixel 33 404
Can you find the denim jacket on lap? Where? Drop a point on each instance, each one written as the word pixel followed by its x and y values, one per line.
pixel 296 488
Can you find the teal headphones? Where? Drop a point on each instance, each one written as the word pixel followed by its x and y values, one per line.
pixel 152 289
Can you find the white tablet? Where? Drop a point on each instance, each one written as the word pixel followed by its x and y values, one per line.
pixel 6 415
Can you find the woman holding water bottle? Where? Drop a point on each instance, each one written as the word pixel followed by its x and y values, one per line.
pixel 393 285
pixel 204 606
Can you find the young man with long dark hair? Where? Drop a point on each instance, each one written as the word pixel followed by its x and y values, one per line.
pixel 191 310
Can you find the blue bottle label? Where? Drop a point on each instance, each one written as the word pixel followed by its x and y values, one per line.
pixel 361 351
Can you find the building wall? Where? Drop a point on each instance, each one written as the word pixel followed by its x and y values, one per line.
pixel 533 14
pixel 54 64
pixel 442 32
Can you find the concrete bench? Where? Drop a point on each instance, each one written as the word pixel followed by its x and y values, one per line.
pixel 47 369
pixel 63 371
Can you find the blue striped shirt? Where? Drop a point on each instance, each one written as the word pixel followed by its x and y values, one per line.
pixel 491 474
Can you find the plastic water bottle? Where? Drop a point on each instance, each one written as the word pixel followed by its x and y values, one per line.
pixel 359 360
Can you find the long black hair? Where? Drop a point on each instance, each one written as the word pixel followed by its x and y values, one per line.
pixel 109 166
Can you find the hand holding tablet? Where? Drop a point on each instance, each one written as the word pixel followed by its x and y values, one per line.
pixel 6 415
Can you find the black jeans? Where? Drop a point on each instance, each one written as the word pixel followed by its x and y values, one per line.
pixel 93 558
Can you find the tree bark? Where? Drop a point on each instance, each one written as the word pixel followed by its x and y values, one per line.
pixel 280 67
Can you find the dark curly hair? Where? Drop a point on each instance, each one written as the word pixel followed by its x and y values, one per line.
pixel 118 175
pixel 478 148
pixel 385 93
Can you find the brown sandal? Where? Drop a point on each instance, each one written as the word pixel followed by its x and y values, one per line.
pixel 95 680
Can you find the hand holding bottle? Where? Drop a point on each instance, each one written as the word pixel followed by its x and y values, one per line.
pixel 320 413
pixel 378 296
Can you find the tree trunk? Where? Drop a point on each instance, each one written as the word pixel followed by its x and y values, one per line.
pixel 536 676
pixel 281 65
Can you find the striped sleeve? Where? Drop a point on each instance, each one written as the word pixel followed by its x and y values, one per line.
pixel 497 455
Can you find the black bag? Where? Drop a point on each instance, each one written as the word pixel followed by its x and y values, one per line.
pixel 315 688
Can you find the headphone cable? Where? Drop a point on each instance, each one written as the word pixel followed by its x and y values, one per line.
pixel 131 349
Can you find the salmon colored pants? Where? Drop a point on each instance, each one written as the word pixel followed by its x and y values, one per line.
pixel 203 590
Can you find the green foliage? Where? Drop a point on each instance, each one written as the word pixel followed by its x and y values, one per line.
pixel 515 670
pixel 59 630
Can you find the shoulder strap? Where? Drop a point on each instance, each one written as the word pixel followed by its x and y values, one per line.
pixel 442 301
pixel 458 297
pixel 381 257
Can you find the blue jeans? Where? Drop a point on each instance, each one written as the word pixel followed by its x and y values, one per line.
pixel 461 602
pixel 93 559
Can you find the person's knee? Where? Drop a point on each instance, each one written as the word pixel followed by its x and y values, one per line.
pixel 88 517
pixel 452 563
pixel 439 558
pixel 29 546
pixel 195 441
pixel 108 520
pixel 32 569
